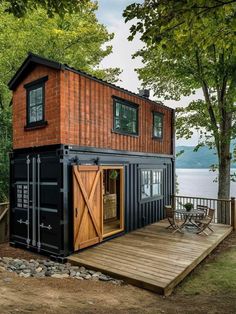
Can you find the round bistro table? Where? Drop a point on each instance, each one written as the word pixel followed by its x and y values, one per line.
pixel 190 217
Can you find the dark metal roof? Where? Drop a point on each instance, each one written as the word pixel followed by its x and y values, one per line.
pixel 34 59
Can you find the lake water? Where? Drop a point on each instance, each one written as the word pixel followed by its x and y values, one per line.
pixel 199 182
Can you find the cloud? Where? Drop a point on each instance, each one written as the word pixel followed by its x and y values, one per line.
pixel 122 55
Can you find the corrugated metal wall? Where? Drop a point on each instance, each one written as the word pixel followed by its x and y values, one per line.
pixel 140 213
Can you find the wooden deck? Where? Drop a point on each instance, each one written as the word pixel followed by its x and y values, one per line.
pixel 152 257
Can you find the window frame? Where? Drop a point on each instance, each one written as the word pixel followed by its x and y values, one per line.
pixel 161 115
pixel 40 83
pixel 128 104
pixel 152 197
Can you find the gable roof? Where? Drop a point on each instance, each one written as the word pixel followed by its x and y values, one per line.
pixel 34 59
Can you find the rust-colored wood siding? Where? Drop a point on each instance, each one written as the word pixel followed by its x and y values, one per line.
pixel 87 117
pixel 79 111
pixel 40 136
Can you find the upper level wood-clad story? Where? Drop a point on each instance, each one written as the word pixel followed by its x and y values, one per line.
pixel 56 104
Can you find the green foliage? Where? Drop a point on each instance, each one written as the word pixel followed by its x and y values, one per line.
pixel 5 147
pixel 19 8
pixel 77 39
pixel 190 45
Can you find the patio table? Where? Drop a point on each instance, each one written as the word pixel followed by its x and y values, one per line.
pixel 189 217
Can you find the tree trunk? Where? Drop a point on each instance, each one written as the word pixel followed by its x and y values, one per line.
pixel 223 209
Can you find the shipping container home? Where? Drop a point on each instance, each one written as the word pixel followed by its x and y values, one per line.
pixel 90 160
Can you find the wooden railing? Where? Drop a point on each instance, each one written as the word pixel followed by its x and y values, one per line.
pixel 4 222
pixel 225 209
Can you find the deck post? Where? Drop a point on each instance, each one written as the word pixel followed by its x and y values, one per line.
pixel 173 201
pixel 233 213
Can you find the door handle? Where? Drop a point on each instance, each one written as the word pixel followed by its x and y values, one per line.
pixel 76 212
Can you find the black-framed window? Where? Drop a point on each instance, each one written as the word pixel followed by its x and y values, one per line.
pixel 157 125
pixel 35 103
pixel 151 183
pixel 125 117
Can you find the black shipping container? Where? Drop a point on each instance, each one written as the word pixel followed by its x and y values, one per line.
pixel 42 201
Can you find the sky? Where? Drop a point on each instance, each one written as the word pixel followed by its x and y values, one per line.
pixel 110 14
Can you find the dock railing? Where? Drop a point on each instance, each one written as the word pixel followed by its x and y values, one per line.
pixel 225 209
pixel 4 222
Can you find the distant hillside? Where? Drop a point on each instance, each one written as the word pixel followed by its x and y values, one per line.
pixel 203 158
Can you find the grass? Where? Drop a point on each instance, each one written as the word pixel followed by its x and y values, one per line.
pixel 215 276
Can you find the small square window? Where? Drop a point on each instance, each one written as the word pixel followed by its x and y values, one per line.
pixel 151 183
pixel 125 117
pixel 35 102
pixel 157 125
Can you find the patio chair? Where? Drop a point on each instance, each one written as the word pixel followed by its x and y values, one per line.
pixel 171 216
pixel 204 223
pixel 203 208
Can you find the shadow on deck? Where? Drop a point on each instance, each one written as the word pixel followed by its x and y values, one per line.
pixel 152 257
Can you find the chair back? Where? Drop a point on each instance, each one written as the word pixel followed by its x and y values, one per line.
pixel 202 207
pixel 169 211
pixel 211 213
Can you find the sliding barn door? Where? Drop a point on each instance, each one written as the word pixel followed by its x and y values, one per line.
pixel 87 198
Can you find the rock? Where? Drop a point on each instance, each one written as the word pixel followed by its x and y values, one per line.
pixel 22 266
pixel 60 276
pixel 39 275
pixel 6 260
pixel 72 273
pixel 27 271
pixel 117 282
pixel 47 268
pixel 48 263
pixel 24 275
pixel 103 277
pixel 87 277
pixel 82 269
pixel 75 268
pixel 97 274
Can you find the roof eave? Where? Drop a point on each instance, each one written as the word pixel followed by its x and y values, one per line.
pixel 30 60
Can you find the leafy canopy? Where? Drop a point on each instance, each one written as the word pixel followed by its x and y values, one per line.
pixel 190 44
pixel 19 7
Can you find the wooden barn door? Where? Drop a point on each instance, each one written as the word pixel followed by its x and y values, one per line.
pixel 87 198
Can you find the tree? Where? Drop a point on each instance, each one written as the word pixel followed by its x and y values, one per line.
pixel 77 39
pixel 190 45
pixel 19 8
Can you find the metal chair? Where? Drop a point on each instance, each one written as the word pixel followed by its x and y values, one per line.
pixel 171 216
pixel 205 222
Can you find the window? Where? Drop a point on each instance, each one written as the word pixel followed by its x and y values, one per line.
pixel 151 183
pixel 35 102
pixel 157 125
pixel 125 117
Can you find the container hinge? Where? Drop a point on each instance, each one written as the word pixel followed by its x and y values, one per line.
pixel 45 227
pixel 26 222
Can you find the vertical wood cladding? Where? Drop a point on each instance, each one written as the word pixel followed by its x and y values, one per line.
pixel 39 136
pixel 88 112
pixel 79 111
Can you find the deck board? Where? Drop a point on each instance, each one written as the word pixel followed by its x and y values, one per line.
pixel 152 257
